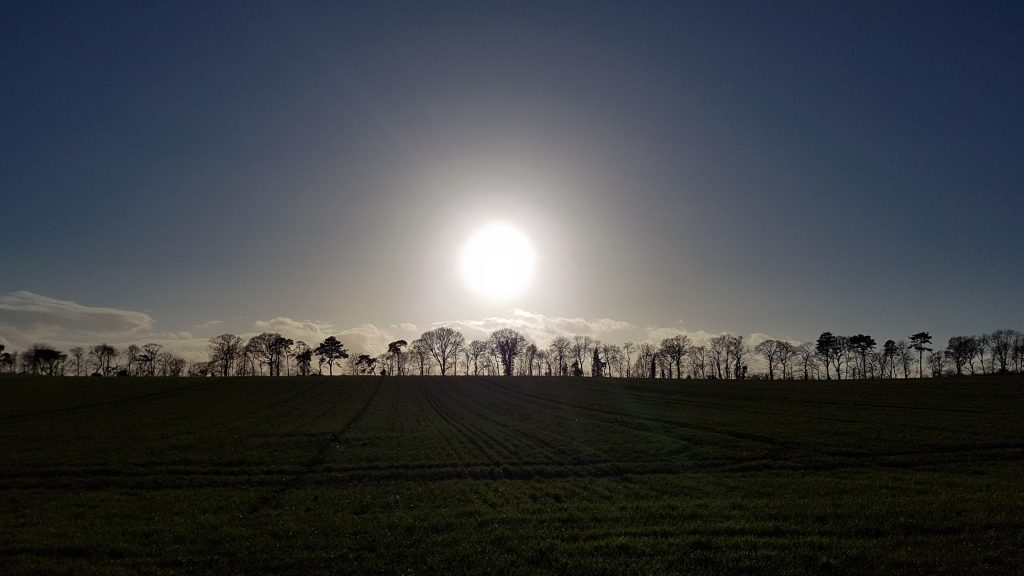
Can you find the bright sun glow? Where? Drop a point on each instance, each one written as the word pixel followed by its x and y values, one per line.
pixel 497 262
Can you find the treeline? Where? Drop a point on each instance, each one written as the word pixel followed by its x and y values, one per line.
pixel 507 352
pixel 99 360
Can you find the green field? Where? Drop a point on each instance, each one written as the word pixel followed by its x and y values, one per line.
pixel 369 475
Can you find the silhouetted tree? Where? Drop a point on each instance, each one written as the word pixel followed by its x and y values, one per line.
pixel 1001 342
pixel 646 360
pixel 829 347
pixel 395 350
pixel 8 361
pixel 444 344
pixel 103 355
pixel 862 344
pixel 529 356
pixel 697 356
pixel 596 364
pixel 580 348
pixel 330 351
pixel 43 360
pixel 919 342
pixel 303 355
pixel 131 355
pixel 559 352
pixel 787 355
pixel 674 350
pixel 421 353
pixel 889 354
pixel 770 351
pixel 476 350
pixel 981 344
pixel 367 363
pixel 509 344
pixel 613 358
pixel 936 362
pixel 76 353
pixel 718 353
pixel 628 349
pixel 148 358
pixel 808 355
pixel 959 351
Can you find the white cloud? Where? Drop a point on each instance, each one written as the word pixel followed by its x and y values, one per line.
pixel 210 324
pixel 26 318
pixel 541 328
pixel 366 338
pixel 310 332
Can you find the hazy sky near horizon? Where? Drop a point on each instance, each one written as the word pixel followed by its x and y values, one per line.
pixel 174 170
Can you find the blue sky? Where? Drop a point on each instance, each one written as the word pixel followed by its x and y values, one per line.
pixel 743 167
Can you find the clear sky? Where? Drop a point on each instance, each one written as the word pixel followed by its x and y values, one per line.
pixel 173 170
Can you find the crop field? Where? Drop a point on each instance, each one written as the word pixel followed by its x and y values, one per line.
pixel 475 475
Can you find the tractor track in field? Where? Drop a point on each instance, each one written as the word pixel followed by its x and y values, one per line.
pixel 284 481
pixel 471 436
pixel 758 438
pixel 113 402
pixel 552 446
pixel 319 457
pixel 226 423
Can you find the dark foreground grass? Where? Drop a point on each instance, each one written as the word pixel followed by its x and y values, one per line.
pixel 510 476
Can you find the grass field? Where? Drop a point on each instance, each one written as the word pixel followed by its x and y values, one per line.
pixel 510 476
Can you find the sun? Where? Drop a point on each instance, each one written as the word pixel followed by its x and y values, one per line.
pixel 497 262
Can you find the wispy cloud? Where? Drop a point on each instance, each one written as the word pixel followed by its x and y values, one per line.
pixel 209 325
pixel 26 318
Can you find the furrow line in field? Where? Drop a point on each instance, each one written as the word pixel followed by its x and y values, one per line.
pixel 768 440
pixel 148 396
pixel 485 432
pixel 551 442
pixel 439 425
pixel 319 457
pixel 455 425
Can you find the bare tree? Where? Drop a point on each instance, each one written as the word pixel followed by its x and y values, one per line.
pixel 674 349
pixel 628 349
pixel 509 344
pixel 580 349
pixel 131 356
pixel 904 357
pixel 559 352
pixel 103 355
pixel 936 363
pixel 444 344
pixel 808 360
pixel 421 353
pixel 613 357
pixel 959 351
pixel 76 353
pixel 697 356
pixel 148 358
pixel 770 351
pixel 303 356
pixel 476 350
pixel 1001 343
pixel 982 344
pixel 529 355
pixel 718 355
pixel 736 350
pixel 646 360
